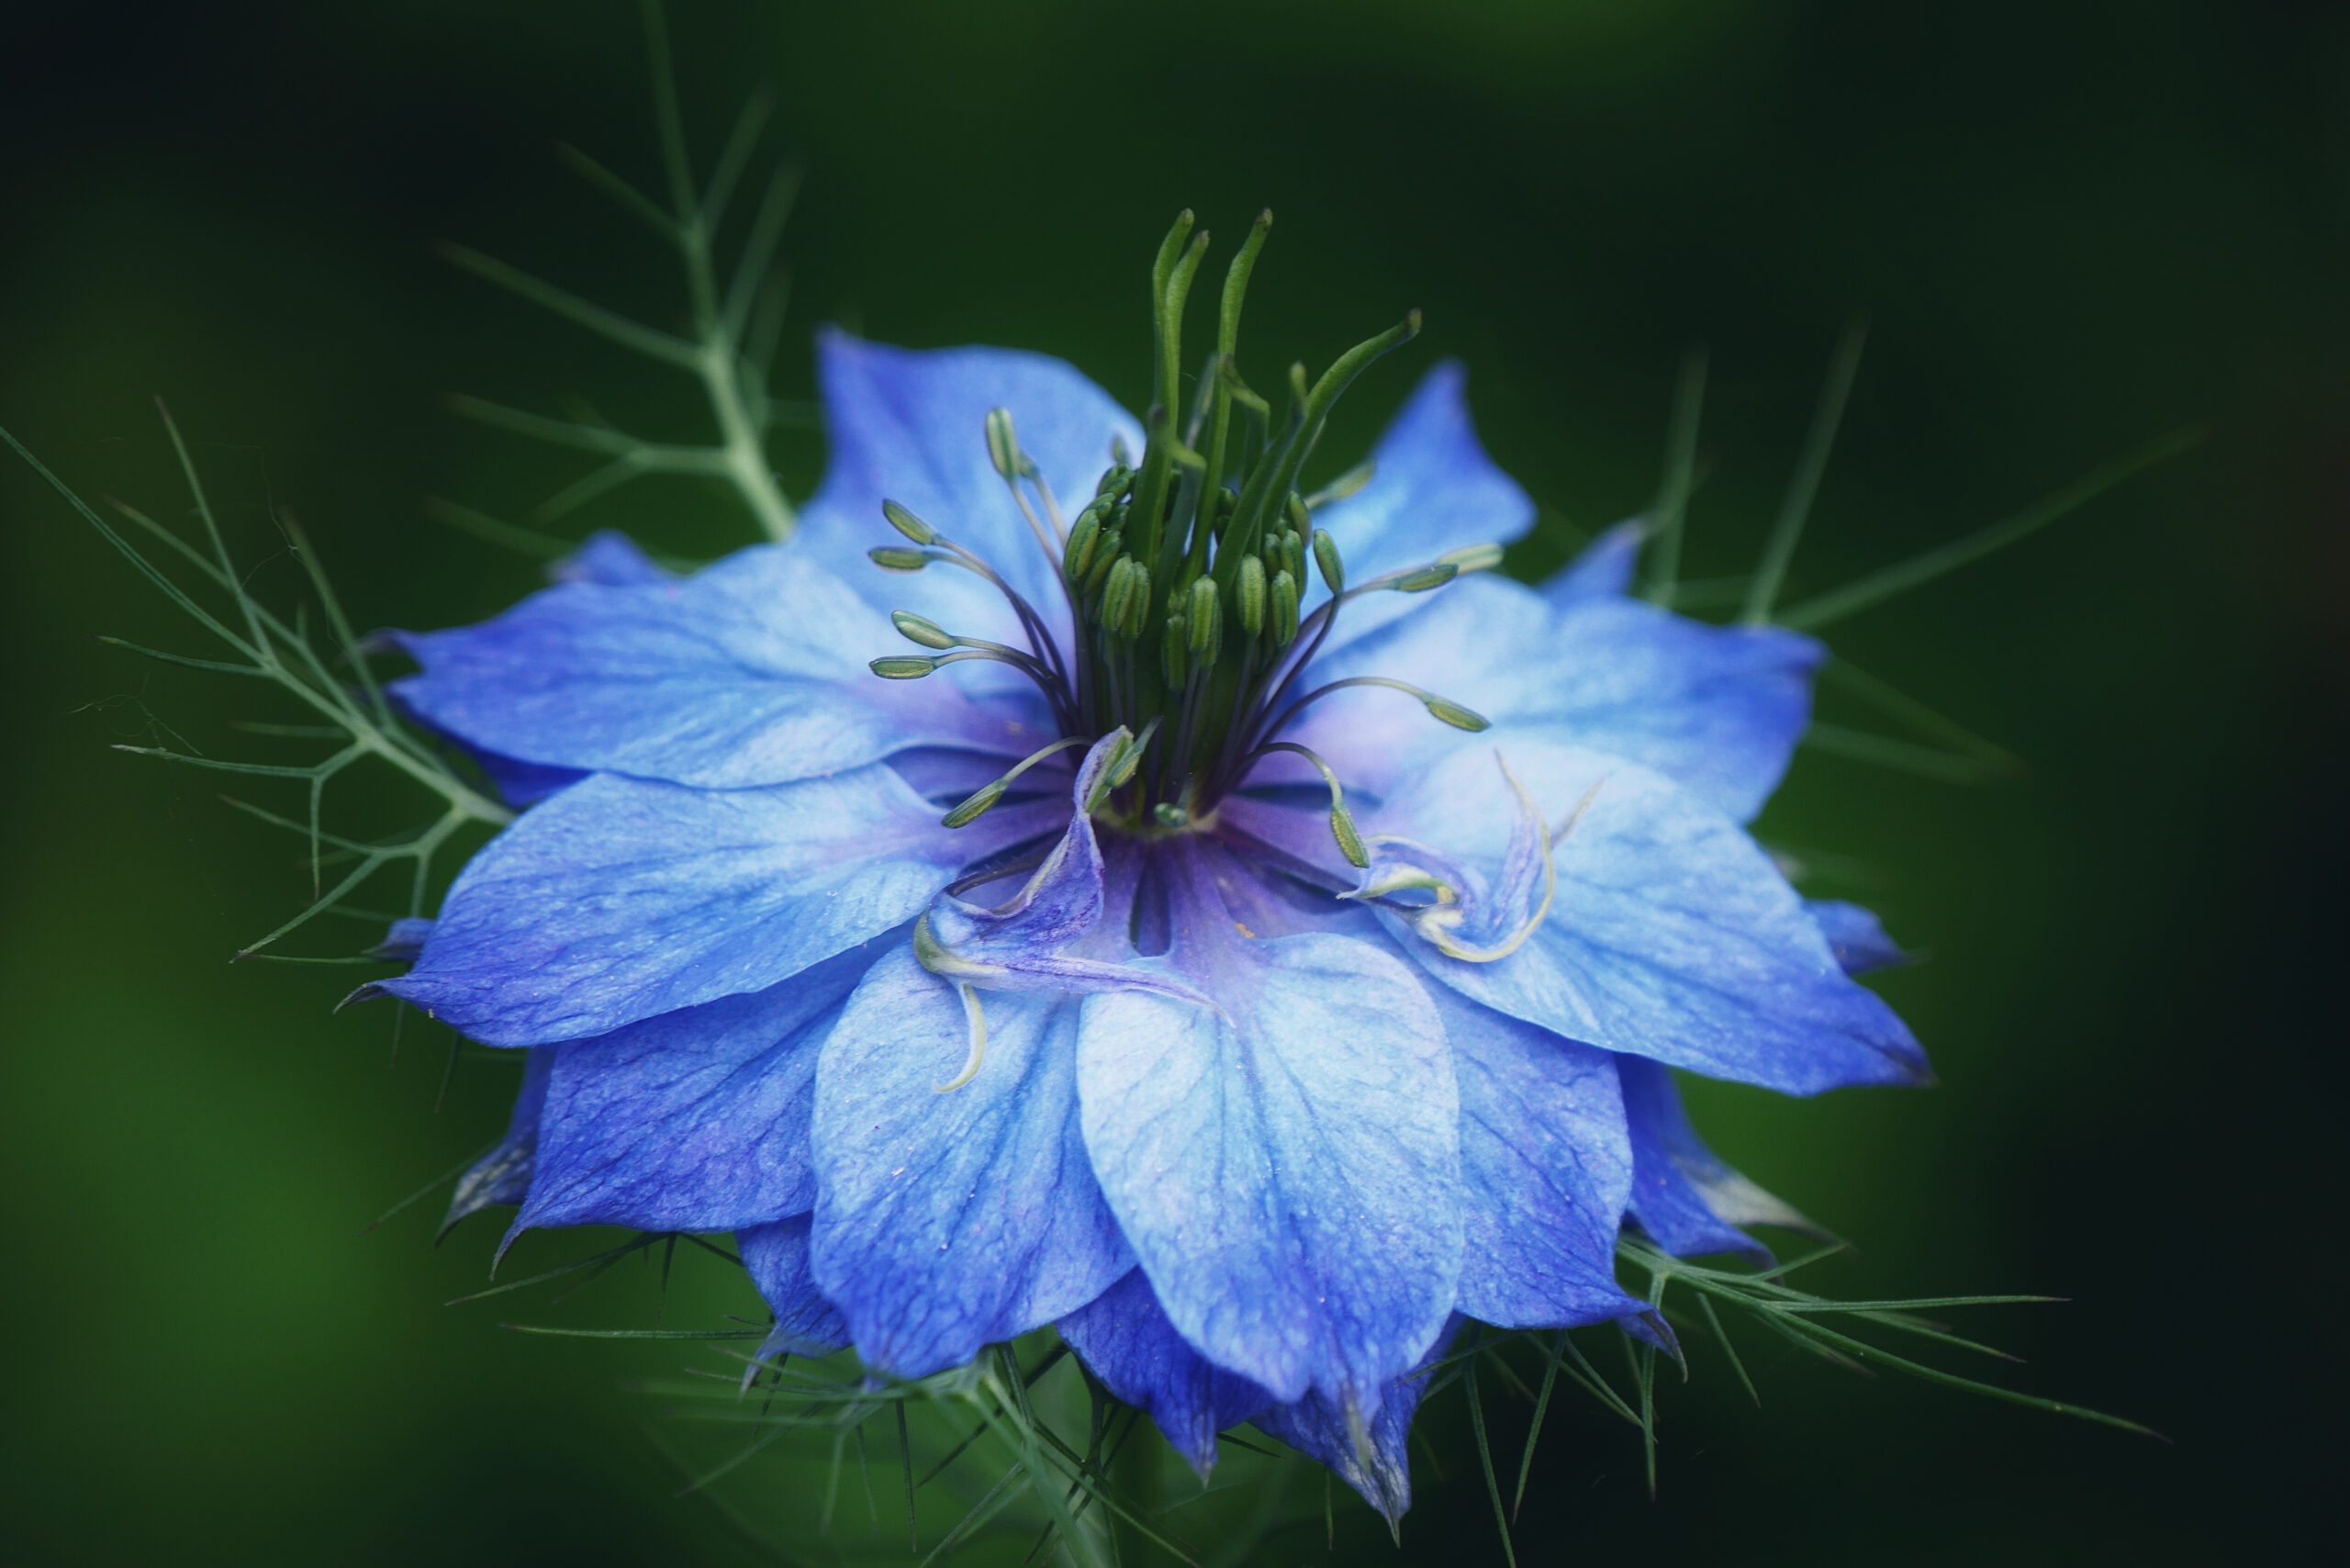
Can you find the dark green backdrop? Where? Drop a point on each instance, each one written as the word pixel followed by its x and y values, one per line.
pixel 2075 227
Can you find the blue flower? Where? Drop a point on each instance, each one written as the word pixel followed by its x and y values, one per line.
pixel 1257 982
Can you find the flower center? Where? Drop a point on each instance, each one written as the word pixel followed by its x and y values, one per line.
pixel 1184 576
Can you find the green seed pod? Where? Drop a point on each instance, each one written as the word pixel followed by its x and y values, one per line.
pixel 1283 593
pixel 907 523
pixel 906 666
pixel 1326 559
pixel 1250 593
pixel 1206 617
pixel 915 629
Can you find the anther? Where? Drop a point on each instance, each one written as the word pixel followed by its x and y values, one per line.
pixel 1283 593
pixel 1117 591
pixel 1206 618
pixel 1473 559
pixel 976 803
pixel 1083 537
pixel 898 558
pixel 915 629
pixel 903 667
pixel 1434 575
pixel 1251 594
pixel 1174 650
pixel 907 523
pixel 1342 822
pixel 1345 484
pixel 1003 447
pixel 1326 561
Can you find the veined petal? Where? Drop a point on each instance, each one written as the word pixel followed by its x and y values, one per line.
pixel 751 672
pixel 1317 1427
pixel 1546 1167
pixel 1432 489
pixel 948 1222
pixel 1856 937
pixel 1672 935
pixel 909 425
pixel 1718 710
pixel 1023 943
pixel 620 899
pixel 1125 1336
pixel 805 1323
pixel 1287 1167
pixel 1602 571
pixel 1683 1196
pixel 694 1120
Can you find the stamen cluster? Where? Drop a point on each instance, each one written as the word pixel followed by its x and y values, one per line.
pixel 1183 575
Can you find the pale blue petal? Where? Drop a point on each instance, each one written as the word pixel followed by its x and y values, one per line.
pixel 752 672
pixel 1672 935
pixel 695 1120
pixel 1024 944
pixel 612 558
pixel 1718 709
pixel 909 425
pixel 950 1221
pixel 1545 1167
pixel 1123 1335
pixel 503 1175
pixel 805 1323
pixel 1683 1194
pixel 1604 570
pixel 1317 1427
pixel 620 899
pixel 1433 489
pixel 1288 1168
pixel 1856 936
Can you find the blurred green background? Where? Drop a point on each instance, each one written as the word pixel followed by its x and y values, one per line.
pixel 2075 227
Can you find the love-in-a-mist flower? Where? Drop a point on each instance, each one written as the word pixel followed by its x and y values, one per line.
pixel 1083 879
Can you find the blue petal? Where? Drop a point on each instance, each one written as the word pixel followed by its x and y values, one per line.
pixel 1317 1427
pixel 1125 1336
pixel 1545 1167
pixel 1853 935
pixel 612 558
pixel 1602 571
pixel 805 1323
pixel 910 426
pixel 1718 710
pixel 695 1120
pixel 1024 944
pixel 620 899
pixel 948 1222
pixel 1432 489
pixel 752 672
pixel 403 941
pixel 1683 1196
pixel 1288 1169
pixel 503 1175
pixel 523 783
pixel 1673 935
